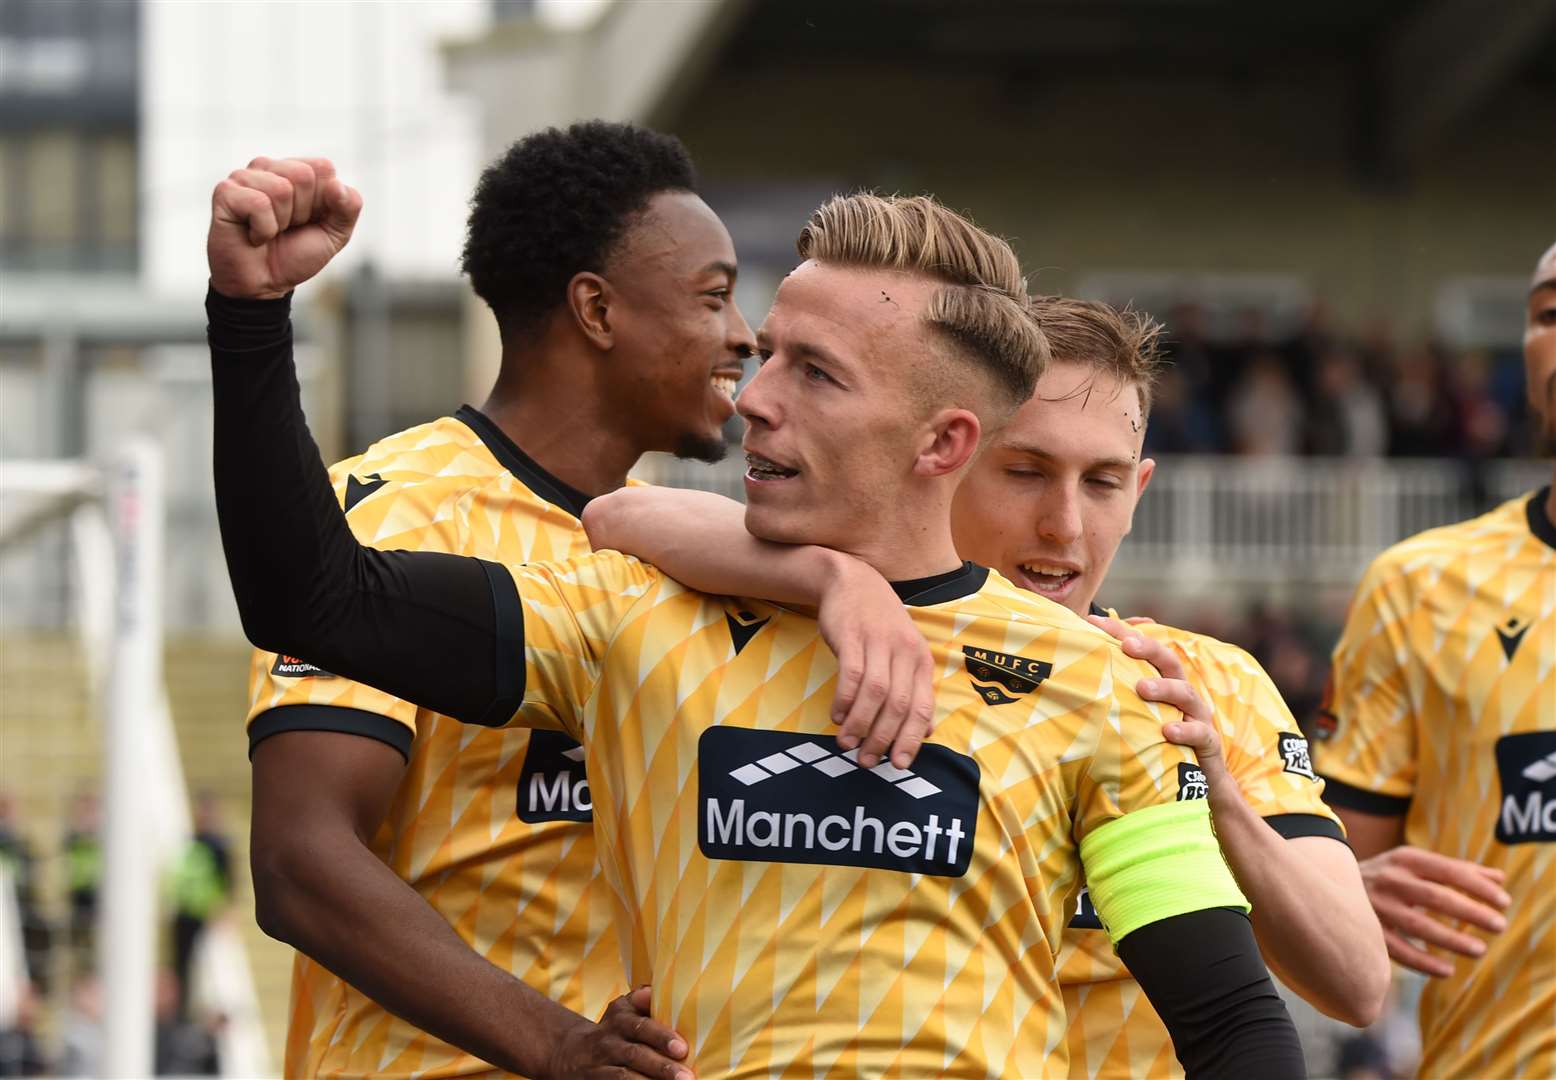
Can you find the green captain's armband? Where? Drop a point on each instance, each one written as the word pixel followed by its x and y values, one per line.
pixel 1156 863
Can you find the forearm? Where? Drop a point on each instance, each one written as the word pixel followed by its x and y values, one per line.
pixel 419 625
pixel 1202 974
pixel 349 912
pixel 1310 913
pixel 700 539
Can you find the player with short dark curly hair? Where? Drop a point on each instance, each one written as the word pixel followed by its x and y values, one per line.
pixel 558 202
pixel 443 886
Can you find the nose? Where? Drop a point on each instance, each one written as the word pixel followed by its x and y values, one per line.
pixel 757 403
pixel 1060 520
pixel 741 341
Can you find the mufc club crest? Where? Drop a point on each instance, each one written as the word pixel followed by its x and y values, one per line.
pixel 1002 678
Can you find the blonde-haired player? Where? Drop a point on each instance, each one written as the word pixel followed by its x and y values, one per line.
pixel 1047 504
pixel 796 911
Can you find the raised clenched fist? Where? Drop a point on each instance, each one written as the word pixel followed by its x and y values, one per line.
pixel 276 224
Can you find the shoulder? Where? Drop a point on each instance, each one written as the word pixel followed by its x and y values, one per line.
pixel 1430 552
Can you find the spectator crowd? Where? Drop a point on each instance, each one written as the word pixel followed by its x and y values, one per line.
pixel 1325 392
pixel 58 942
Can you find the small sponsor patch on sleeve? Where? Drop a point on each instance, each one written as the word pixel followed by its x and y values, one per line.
pixel 1294 755
pixel 1191 782
pixel 293 667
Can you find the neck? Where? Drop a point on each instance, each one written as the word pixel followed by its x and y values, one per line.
pixel 555 415
pixel 914 541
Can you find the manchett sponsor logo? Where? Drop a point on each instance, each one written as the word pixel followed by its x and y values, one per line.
pixel 775 796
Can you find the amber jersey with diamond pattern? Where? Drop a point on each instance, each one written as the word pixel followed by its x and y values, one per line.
pixel 787 929
pixel 525 894
pixel 1442 708
pixel 1114 1033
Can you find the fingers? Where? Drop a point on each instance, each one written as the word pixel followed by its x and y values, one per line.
pixel 1442 900
pixel 1195 734
pixel 1407 955
pixel 874 684
pixel 1416 924
pixel 249 208
pixel 921 715
pixel 642 1044
pixel 850 676
pixel 301 176
pixel 1481 882
pixel 1140 620
pixel 342 205
pixel 1177 693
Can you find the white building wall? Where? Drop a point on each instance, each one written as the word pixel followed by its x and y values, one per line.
pixel 360 83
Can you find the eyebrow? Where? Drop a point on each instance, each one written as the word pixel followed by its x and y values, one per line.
pixel 1548 283
pixel 802 348
pixel 720 266
pixel 1097 463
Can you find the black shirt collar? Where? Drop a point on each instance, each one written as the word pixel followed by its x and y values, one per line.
pixel 1098 609
pixel 951 585
pixel 1539 523
pixel 520 464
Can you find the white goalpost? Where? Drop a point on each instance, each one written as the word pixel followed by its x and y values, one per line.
pixel 117 517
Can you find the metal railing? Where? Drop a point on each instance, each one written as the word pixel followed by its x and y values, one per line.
pixel 1319 520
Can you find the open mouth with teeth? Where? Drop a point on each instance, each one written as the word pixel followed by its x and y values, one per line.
pixel 1047 579
pixel 764 470
pixel 725 384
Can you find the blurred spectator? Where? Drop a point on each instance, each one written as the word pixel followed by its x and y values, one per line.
pixel 202 886
pixel 81 1033
pixel 181 1047
pixel 1420 414
pixel 1181 421
pixel 1482 422
pixel 1348 418
pixel 1336 394
pixel 1264 413
pixel 20 1052
pixel 17 855
pixel 83 850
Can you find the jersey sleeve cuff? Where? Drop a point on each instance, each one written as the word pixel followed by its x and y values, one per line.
pixel 1292 826
pixel 239 325
pixel 508 664
pixel 1338 793
pixel 330 718
pixel 1156 863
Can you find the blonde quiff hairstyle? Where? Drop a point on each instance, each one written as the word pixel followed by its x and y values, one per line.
pixel 982 310
pixel 1121 343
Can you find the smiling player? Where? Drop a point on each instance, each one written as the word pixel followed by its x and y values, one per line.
pixel 793 909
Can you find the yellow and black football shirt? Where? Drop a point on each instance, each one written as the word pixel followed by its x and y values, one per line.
pixel 491 827
pixel 1114 1033
pixel 1442 709
pixel 799 915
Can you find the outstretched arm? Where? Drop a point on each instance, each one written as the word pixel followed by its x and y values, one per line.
pixel 885 689
pixel 421 626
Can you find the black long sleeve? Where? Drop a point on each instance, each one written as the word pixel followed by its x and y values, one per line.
pixel 422 626
pixel 1203 974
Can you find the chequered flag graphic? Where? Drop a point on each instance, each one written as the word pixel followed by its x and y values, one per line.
pixel 833 765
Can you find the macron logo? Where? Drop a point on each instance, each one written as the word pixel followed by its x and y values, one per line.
pixel 831 764
pixel 552 784
pixel 1543 770
pixel 762 800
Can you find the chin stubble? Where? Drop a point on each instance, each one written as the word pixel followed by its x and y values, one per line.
pixel 701 448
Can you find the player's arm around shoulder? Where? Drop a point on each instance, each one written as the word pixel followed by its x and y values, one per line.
pixel 1309 909
pixel 1168 901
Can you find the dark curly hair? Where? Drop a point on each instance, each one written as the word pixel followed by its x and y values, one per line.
pixel 557 203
